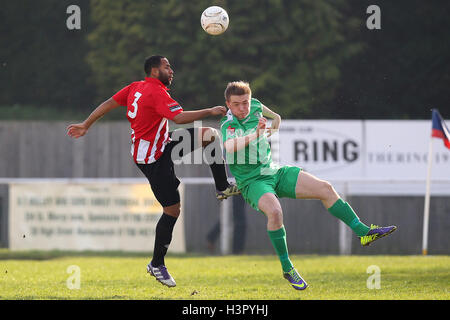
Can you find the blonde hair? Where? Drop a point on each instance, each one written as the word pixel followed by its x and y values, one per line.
pixel 237 88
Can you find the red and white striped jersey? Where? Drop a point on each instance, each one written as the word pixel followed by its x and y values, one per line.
pixel 149 105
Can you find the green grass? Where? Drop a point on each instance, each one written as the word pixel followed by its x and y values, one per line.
pixel 43 275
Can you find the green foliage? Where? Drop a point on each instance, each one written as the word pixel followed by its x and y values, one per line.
pixel 292 61
pixel 303 58
pixel 41 61
pixel 404 70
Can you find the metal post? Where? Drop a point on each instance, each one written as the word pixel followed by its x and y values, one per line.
pixel 226 226
pixel 426 210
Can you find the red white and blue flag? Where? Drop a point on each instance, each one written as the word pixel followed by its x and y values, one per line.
pixel 439 128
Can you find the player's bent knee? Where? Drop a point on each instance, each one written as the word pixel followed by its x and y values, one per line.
pixel 327 190
pixel 173 210
pixel 275 215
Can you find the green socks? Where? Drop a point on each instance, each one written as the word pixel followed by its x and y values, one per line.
pixel 345 213
pixel 340 209
pixel 278 239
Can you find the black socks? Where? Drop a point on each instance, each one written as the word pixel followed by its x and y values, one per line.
pixel 163 237
pixel 219 173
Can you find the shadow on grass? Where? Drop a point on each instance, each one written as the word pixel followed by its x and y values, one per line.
pixel 6 254
pixel 88 300
pixel 38 298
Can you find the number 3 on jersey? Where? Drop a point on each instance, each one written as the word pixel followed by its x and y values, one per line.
pixel 132 114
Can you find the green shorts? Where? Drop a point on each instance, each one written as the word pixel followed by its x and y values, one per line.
pixel 282 184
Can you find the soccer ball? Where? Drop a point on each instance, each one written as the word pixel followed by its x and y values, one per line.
pixel 214 20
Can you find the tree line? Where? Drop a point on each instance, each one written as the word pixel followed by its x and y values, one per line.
pixel 304 58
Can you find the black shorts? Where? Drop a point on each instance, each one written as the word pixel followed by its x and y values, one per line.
pixel 161 174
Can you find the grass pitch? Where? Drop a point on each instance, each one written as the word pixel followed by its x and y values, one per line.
pixel 44 275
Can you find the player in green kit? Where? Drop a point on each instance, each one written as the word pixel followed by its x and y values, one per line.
pixel 262 182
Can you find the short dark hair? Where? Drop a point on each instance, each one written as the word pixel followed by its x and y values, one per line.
pixel 152 62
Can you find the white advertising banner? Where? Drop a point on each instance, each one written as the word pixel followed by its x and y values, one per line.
pixel 326 148
pixel 355 149
pixel 86 216
pixel 399 150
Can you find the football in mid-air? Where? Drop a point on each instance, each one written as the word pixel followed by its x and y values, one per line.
pixel 214 20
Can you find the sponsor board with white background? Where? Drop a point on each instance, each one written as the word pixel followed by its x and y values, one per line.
pixel 371 149
pixel 62 215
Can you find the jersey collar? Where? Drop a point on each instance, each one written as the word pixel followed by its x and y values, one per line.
pixel 157 82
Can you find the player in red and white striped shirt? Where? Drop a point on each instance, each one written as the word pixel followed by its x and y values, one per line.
pixel 149 107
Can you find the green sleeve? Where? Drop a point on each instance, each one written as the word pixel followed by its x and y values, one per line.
pixel 256 105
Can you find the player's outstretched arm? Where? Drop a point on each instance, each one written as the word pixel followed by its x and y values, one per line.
pixel 191 116
pixel 239 143
pixel 79 129
pixel 276 120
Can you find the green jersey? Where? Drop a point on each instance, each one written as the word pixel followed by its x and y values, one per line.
pixel 255 159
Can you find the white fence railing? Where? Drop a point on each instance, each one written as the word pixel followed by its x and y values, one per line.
pixel 346 188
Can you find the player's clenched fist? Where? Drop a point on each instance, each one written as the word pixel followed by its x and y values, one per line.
pixel 76 130
pixel 261 127
pixel 218 111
